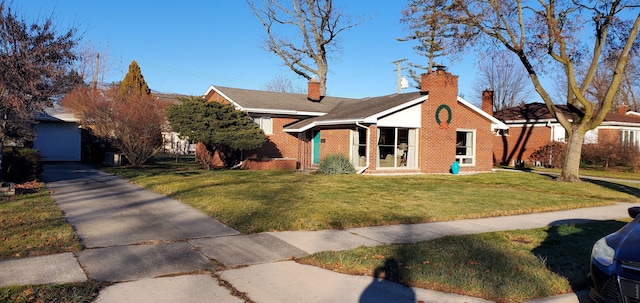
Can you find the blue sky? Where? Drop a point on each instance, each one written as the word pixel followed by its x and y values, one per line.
pixel 184 48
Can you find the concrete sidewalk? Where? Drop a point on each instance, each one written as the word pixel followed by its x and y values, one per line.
pixel 156 249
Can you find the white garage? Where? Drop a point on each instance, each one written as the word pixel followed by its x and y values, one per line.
pixel 58 136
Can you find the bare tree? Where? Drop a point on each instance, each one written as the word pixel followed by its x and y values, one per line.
pixel 506 77
pixel 35 67
pixel 94 64
pixel 627 94
pixel 126 115
pixel 282 84
pixel 132 123
pixel 544 33
pixel 316 25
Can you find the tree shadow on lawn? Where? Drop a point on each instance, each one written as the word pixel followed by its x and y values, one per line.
pixel 634 191
pixel 485 269
pixel 567 248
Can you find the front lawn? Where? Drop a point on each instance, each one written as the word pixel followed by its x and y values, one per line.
pixel 508 266
pixel 33 225
pixel 257 201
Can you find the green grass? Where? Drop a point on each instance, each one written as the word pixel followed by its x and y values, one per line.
pixel 621 173
pixel 62 293
pixel 257 201
pixel 510 266
pixel 33 225
pixel 254 201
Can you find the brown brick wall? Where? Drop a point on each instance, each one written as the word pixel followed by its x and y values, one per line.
pixel 335 141
pixel 213 96
pixel 438 142
pixel 264 164
pixel 373 148
pixel 520 143
pixel 280 144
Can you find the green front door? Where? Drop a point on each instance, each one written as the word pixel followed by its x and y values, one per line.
pixel 316 147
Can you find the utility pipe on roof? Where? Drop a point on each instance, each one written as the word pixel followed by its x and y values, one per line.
pixel 368 141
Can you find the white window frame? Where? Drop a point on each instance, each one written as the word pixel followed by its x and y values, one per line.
pixel 265 123
pixel 411 152
pixel 630 137
pixel 460 158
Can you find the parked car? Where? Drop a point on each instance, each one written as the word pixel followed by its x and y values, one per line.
pixel 614 272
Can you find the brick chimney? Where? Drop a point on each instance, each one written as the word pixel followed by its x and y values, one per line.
pixel 487 101
pixel 440 81
pixel 441 116
pixel 623 109
pixel 313 91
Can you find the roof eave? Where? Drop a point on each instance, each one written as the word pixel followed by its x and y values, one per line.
pixel 234 103
pixel 374 118
pixel 282 112
pixel 498 124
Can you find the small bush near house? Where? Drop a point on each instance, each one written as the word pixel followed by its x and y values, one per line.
pixel 21 165
pixel 549 155
pixel 336 164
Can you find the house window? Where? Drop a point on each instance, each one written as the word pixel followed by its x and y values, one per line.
pixel 265 124
pixel 630 138
pixel 465 147
pixel 396 147
pixel 359 147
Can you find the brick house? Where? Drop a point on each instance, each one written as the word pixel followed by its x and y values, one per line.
pixel 532 126
pixel 416 132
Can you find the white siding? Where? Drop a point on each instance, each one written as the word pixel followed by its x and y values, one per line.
pixel 409 118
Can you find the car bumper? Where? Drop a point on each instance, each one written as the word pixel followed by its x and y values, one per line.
pixel 616 284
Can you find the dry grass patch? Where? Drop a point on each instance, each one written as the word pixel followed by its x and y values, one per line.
pixel 33 225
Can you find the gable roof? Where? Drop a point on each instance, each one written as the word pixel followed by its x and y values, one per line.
pixel 529 112
pixel 56 113
pixel 362 111
pixel 255 101
pixel 538 112
pixel 371 109
pixel 329 110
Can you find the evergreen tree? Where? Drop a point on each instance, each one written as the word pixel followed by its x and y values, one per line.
pixel 133 82
pixel 219 126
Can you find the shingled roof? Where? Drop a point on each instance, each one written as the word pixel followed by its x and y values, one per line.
pixel 539 112
pixel 266 100
pixel 328 111
pixel 358 111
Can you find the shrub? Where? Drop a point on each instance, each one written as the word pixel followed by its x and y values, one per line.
pixel 21 165
pixel 550 155
pixel 336 164
pixel 203 156
pixel 609 152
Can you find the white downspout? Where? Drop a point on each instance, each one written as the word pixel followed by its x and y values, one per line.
pixel 368 141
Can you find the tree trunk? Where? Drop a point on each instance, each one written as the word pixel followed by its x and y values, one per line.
pixel 571 162
pixel 2 127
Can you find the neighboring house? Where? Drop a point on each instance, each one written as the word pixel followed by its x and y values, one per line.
pixel 413 132
pixel 173 144
pixel 532 126
pixel 58 135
